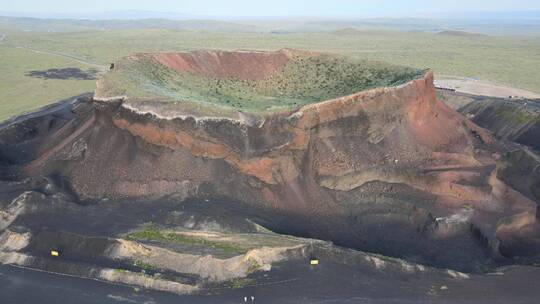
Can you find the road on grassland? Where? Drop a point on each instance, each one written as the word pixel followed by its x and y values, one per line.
pixel 98 66
pixel 482 87
pixel 71 57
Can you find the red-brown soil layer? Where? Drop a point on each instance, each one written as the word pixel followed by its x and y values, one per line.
pixel 390 170
pixel 242 65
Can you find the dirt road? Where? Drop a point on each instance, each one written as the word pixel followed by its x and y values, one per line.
pixel 71 57
pixel 98 66
pixel 482 87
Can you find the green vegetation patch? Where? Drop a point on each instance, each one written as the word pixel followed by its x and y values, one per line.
pixel 517 115
pixel 152 233
pixel 253 266
pixel 21 91
pixel 145 267
pixel 303 80
pixel 239 283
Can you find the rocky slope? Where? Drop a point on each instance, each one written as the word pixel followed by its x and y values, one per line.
pixel 515 120
pixel 390 170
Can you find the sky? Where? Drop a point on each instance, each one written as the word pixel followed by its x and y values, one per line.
pixel 261 8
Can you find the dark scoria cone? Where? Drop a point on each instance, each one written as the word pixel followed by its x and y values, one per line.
pixel 390 170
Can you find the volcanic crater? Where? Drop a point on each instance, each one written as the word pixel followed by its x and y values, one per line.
pixel 358 153
pixel 247 81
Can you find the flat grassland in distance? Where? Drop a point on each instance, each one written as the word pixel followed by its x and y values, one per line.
pixel 512 61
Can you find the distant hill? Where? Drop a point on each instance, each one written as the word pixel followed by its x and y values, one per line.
pixel 346 31
pixel 287 25
pixel 460 34
pixel 106 15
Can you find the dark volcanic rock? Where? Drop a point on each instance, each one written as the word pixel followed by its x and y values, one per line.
pixel 390 170
pixel 509 119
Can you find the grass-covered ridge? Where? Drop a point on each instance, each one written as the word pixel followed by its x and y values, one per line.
pixel 152 233
pixel 303 80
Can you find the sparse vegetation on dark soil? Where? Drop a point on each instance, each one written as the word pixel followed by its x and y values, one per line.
pixel 153 233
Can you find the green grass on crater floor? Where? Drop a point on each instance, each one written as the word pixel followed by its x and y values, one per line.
pixel 303 80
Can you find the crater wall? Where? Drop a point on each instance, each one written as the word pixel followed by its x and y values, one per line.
pixel 390 170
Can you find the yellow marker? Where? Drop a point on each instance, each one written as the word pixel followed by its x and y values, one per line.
pixel 54 253
pixel 314 262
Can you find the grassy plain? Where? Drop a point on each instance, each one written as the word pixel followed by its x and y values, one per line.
pixel 21 93
pixel 512 61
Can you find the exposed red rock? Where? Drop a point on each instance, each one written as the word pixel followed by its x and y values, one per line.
pixel 392 157
pixel 243 65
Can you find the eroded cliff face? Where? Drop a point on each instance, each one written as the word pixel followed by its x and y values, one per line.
pixel 398 135
pixel 389 170
pixel 242 65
